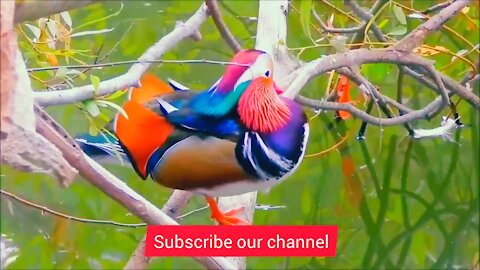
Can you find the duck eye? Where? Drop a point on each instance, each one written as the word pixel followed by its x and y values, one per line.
pixel 267 73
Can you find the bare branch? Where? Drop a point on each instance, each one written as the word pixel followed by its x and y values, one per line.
pixel 362 56
pixel 436 7
pixel 221 26
pixel 133 75
pixel 366 17
pixel 416 37
pixel 325 28
pixel 327 105
pixel 32 10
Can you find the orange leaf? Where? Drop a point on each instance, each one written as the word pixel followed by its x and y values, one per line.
pixel 52 59
pixel 343 92
pixel 353 186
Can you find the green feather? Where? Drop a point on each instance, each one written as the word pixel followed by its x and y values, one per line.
pixel 216 106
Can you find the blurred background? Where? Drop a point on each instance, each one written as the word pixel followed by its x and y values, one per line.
pixel 399 203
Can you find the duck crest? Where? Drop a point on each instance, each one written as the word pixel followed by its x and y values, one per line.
pixel 261 109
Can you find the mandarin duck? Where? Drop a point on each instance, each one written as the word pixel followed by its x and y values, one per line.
pixel 236 137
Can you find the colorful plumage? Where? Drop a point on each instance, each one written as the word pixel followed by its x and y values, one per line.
pixel 248 137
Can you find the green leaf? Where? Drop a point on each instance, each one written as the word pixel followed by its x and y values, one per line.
pixel 95 82
pixel 418 248
pixel 92 108
pixel 398 11
pixel 113 105
pixel 117 94
pixel 398 31
pixel 35 30
pixel 383 23
pixel 305 16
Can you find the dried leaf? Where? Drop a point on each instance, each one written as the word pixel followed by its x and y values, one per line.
pixel 52 28
pixel 351 181
pixel 343 93
pixel 66 18
pixel 425 51
pixel 22 147
pixel 52 59
pixel 63 33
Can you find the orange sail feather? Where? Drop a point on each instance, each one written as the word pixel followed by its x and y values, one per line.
pixel 144 131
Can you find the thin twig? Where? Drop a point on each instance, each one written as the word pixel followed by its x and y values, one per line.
pixel 221 26
pixel 326 28
pixel 131 62
pixel 436 7
pixel 66 216
pixel 326 105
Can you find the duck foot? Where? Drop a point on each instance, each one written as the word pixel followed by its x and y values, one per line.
pixel 225 218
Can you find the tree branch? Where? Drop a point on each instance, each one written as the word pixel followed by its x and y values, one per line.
pixel 413 115
pixel 221 26
pixel 133 75
pixel 362 56
pixel 32 10
pixel 130 62
pixel 416 37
